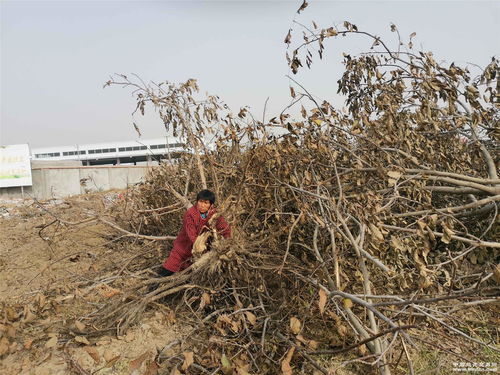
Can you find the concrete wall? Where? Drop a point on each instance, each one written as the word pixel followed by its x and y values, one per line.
pixel 63 181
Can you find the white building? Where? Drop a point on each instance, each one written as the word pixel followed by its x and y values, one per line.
pixel 144 150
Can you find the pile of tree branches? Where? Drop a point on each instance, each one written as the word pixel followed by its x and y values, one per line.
pixel 347 225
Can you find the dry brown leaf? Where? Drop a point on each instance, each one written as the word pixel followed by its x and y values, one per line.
pixel 27 344
pixel 447 233
pixel 303 6
pixel 205 300
pixel 310 343
pixel 175 371
pixel 295 325
pixel 393 177
pixel 108 355
pixel 130 336
pixel 152 369
pixel 226 366
pixel 40 300
pixel 496 273
pixel 242 371
pixel 313 345
pixel 82 340
pixel 137 363
pixel 112 361
pixel 11 314
pixel 79 326
pixel 347 303
pixel 105 341
pixel 342 330
pixel 28 315
pixel 4 345
pixel 251 317
pixel 376 232
pixel 11 331
pixel 109 292
pixel 286 369
pixel 200 244
pixel 234 325
pixel 93 353
pixel 331 31
pixel 188 360
pixel 51 343
pixel 322 301
pixel 288 37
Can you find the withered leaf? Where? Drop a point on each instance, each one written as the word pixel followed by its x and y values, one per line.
pixel 447 233
pixel 331 32
pixel 12 315
pixel 27 344
pixel 205 300
pixel 40 300
pixel 136 363
pixel 251 317
pixel 92 352
pixel 82 340
pixel 303 112
pixel 4 345
pixel 188 360
pixel 393 177
pixel 347 303
pixel 295 325
pixel 226 365
pixel 79 326
pixel 108 354
pixel 286 369
pixel 112 361
pixel 136 128
pixel 303 6
pixel 288 37
pixel 322 300
pixel 496 273
pixel 376 232
pixel 51 343
pixel 28 315
pixel 152 369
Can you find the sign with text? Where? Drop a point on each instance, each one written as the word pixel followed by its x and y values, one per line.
pixel 15 166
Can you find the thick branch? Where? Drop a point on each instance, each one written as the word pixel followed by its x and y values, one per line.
pixel 453 237
pixel 130 234
pixel 450 210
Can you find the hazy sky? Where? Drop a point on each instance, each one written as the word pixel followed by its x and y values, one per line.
pixel 56 55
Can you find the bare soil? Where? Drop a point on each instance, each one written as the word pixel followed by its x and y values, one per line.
pixel 47 290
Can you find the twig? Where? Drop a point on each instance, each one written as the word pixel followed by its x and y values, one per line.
pixel 453 329
pixel 130 234
pixel 178 341
pixel 423 300
pixel 362 342
pixel 74 364
pixel 410 363
pixel 296 221
pixel 450 210
pixel 304 354
pixel 453 236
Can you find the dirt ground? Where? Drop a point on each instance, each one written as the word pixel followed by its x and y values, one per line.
pixel 46 292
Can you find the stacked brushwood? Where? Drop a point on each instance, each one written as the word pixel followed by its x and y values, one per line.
pixel 346 224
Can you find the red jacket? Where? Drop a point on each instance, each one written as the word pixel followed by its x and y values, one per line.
pixel 192 225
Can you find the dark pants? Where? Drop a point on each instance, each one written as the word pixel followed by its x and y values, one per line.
pixel 164 272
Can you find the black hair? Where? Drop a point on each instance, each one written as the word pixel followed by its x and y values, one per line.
pixel 206 195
